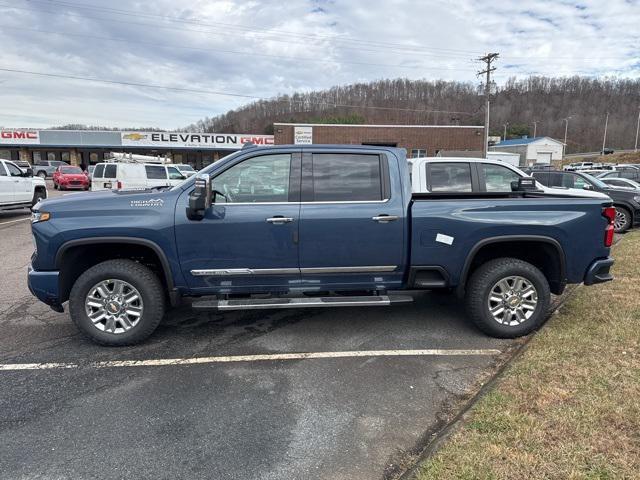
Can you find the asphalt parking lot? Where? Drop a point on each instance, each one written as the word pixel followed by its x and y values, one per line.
pixel 358 415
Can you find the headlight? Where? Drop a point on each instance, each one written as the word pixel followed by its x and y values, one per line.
pixel 40 216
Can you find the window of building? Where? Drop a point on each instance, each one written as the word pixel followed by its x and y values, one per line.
pixel 256 180
pixel 51 156
pixel 65 156
pixel 418 152
pixel 110 171
pixel 93 157
pixel 155 172
pixel 37 158
pixel 99 171
pixel 449 177
pixel 5 154
pixel 498 178
pixel 338 178
pixel 177 158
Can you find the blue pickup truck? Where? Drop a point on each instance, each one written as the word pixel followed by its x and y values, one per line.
pixel 312 226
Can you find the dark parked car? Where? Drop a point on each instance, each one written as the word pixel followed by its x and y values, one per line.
pixel 607 151
pixel 627 202
pixel 630 172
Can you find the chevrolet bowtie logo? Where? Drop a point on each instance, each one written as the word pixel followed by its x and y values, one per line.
pixel 134 136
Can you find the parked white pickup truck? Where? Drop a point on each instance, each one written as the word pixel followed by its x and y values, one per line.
pixel 19 189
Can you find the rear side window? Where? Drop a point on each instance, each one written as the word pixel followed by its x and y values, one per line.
pixel 498 178
pixel 630 174
pixel 449 177
pixel 99 171
pixel 155 172
pixel 340 177
pixel 110 170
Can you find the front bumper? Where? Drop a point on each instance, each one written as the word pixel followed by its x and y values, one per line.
pixel 44 286
pixel 598 272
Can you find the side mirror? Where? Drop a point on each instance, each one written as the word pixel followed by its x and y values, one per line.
pixel 587 187
pixel 29 172
pixel 524 184
pixel 200 197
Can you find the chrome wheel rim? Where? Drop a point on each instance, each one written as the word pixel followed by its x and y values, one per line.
pixel 512 300
pixel 114 306
pixel 620 221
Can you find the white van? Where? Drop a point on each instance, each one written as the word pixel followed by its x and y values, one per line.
pixel 134 176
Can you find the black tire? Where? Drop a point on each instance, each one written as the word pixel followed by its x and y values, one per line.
pixel 38 195
pixel 137 275
pixel 622 220
pixel 483 281
pixel 42 174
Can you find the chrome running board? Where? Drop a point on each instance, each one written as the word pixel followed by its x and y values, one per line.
pixel 301 302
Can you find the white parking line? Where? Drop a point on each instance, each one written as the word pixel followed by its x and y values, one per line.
pixel 249 358
pixel 14 221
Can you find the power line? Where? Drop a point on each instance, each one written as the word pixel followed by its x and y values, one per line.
pixel 186 47
pixel 246 28
pixel 229 94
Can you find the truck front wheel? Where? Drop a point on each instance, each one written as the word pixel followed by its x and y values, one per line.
pixel 117 302
pixel 508 298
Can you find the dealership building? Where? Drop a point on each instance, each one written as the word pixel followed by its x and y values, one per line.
pixel 418 140
pixel 88 147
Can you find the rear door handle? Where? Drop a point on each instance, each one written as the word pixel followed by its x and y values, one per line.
pixel 278 220
pixel 384 218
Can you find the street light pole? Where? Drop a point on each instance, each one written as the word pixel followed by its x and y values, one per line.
pixel 505 131
pixel 635 149
pixel 535 128
pixel 566 128
pixel 604 138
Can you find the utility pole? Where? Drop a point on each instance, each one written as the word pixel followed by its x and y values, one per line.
pixel 635 149
pixel 535 128
pixel 566 128
pixel 488 58
pixel 505 131
pixel 604 139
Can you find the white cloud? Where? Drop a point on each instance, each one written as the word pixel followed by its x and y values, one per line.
pixel 433 40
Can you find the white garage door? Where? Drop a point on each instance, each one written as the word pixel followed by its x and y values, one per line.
pixel 544 157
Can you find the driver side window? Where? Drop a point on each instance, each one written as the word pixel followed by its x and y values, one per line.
pixel 256 180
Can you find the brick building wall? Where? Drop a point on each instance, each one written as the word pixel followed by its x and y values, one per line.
pixel 423 137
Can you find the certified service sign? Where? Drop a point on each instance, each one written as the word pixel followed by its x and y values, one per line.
pixel 302 135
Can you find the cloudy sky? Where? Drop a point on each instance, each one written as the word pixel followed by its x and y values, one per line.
pixel 260 48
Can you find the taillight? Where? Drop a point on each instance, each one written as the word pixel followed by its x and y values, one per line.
pixel 119 185
pixel 610 214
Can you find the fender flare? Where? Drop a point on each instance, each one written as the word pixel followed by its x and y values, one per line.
pixel 164 262
pixel 511 238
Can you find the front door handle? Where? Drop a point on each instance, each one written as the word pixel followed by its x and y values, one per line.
pixel 279 220
pixel 384 218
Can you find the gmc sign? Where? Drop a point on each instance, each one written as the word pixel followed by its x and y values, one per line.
pixel 18 137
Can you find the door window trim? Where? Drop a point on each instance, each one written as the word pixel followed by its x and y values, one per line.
pixel 307 180
pixel 294 179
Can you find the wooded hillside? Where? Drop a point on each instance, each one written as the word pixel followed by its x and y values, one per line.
pixel 518 102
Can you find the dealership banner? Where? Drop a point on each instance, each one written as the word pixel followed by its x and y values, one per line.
pixel 221 141
pixel 19 137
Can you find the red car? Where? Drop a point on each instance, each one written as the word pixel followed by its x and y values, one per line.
pixel 67 177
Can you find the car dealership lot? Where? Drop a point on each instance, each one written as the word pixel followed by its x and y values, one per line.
pixel 352 416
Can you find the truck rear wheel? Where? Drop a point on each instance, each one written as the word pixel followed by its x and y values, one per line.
pixel 117 302
pixel 508 298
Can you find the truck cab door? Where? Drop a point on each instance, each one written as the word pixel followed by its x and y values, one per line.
pixel 248 239
pixel 6 186
pixel 22 186
pixel 352 226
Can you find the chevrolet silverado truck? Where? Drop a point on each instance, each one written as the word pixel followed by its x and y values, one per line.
pixel 312 226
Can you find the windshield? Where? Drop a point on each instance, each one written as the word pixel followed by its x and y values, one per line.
pixel 595 181
pixel 206 169
pixel 70 169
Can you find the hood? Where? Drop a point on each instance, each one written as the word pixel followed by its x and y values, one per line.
pixel 73 176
